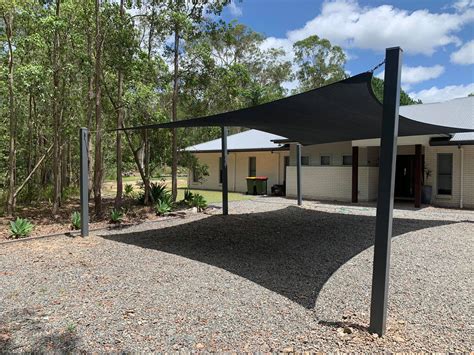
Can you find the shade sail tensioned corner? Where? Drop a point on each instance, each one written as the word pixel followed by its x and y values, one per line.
pixel 342 111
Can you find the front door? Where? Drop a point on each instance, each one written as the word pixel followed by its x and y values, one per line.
pixel 405 176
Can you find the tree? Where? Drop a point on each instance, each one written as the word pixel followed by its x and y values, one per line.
pixel 320 63
pixel 183 19
pixel 405 99
pixel 7 10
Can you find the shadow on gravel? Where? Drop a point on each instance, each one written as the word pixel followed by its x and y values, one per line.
pixel 28 323
pixel 291 251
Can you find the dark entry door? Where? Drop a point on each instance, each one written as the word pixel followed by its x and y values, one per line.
pixel 405 176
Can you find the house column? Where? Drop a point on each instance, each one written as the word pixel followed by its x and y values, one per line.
pixel 384 218
pixel 418 172
pixel 298 174
pixel 225 182
pixel 355 174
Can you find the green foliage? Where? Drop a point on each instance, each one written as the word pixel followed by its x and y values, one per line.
pixel 199 202
pixel 76 220
pixel 188 196
pixel 116 216
pixel 164 206
pixel 377 88
pixel 21 228
pixel 319 63
pixel 157 191
pixel 128 191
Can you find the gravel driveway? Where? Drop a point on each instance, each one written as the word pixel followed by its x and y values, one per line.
pixel 269 277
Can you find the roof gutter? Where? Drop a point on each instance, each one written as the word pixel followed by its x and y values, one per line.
pixel 440 142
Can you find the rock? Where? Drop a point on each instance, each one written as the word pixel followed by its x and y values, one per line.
pixel 398 339
pixel 194 210
pixel 199 346
pixel 375 335
pixel 348 330
pixel 288 350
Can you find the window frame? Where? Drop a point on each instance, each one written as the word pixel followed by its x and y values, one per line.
pixel 250 170
pixel 321 160
pixel 305 157
pixel 346 156
pixel 439 174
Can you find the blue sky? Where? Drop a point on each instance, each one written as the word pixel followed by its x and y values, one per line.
pixel 437 36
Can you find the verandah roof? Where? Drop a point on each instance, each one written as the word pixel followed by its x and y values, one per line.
pixel 342 111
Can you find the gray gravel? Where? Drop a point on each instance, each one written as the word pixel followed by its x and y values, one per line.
pixel 269 277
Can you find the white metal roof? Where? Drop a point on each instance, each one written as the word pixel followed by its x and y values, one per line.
pixel 452 113
pixel 457 112
pixel 249 140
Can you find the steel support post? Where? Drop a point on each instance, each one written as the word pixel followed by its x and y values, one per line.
pixel 84 181
pixel 298 174
pixel 384 219
pixel 225 182
pixel 355 174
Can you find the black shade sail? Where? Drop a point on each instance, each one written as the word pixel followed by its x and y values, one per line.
pixel 343 111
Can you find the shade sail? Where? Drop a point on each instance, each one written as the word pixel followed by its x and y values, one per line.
pixel 342 111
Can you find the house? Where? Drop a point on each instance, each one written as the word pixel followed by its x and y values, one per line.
pixel 447 162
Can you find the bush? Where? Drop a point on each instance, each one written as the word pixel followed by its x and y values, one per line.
pixel 116 216
pixel 164 205
pixel 188 196
pixel 199 202
pixel 157 191
pixel 128 190
pixel 21 228
pixel 76 220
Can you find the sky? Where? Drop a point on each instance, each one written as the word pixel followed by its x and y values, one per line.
pixel 437 37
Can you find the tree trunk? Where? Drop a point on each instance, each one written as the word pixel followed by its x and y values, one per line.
pixel 98 114
pixel 174 143
pixel 56 120
pixel 118 142
pixel 11 200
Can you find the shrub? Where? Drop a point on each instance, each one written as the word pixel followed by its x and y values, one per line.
pixel 199 202
pixel 188 196
pixel 157 191
pixel 76 220
pixel 128 190
pixel 21 228
pixel 116 216
pixel 164 205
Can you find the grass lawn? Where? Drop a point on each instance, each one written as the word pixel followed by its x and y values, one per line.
pixel 215 196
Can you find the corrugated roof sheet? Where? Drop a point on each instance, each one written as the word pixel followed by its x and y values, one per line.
pixel 251 139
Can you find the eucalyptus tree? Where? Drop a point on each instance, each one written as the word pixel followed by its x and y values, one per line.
pixel 183 21
pixel 319 62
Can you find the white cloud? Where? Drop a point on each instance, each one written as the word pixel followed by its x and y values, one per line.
pixel 461 5
pixel 235 10
pixel 415 75
pixel 436 94
pixel 465 55
pixel 346 23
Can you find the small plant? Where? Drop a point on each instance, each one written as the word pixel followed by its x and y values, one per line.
pixel 199 202
pixel 21 228
pixel 76 220
pixel 128 190
pixel 157 191
pixel 164 205
pixel 71 327
pixel 116 216
pixel 188 196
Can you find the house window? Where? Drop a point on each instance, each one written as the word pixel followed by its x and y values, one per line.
pixel 325 160
pixel 195 174
pixel 445 174
pixel 347 160
pixel 220 170
pixel 305 160
pixel 252 166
